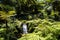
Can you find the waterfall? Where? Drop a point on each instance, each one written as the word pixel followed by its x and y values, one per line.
pixel 24 29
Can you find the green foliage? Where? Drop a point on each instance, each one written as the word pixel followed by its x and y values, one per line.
pixel 46 30
pixel 31 37
pixel 42 17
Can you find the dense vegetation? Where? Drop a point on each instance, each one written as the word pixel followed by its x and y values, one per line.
pixel 41 16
